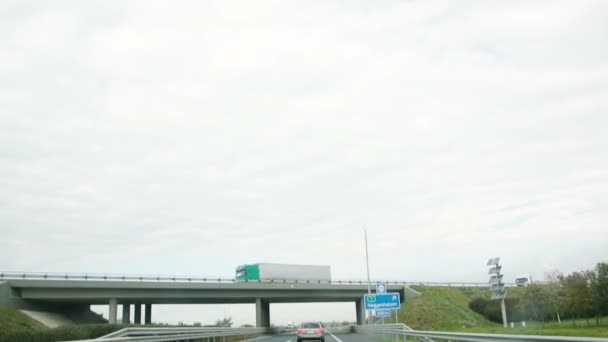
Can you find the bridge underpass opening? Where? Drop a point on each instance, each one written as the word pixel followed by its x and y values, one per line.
pixel 283 313
pixel 190 314
pixel 241 314
pixel 135 313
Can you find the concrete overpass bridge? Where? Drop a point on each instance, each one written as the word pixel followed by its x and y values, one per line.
pixel 77 295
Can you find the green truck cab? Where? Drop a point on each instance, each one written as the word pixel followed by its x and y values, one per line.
pixel 246 273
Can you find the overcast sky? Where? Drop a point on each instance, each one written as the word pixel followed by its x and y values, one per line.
pixel 188 137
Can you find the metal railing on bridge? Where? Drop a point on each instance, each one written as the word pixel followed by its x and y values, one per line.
pixel 401 331
pixel 177 334
pixel 215 280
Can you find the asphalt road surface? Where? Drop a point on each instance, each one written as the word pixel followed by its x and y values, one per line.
pixel 328 338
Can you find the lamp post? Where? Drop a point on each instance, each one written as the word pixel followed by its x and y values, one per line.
pixel 369 282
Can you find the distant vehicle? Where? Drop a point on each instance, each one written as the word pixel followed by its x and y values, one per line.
pixel 311 331
pixel 523 281
pixel 290 325
pixel 282 272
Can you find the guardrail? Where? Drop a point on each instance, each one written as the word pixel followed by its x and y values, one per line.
pixel 110 277
pixel 375 327
pixel 214 280
pixel 176 334
pixel 398 331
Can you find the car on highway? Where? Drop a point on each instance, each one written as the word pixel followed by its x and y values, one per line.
pixel 311 331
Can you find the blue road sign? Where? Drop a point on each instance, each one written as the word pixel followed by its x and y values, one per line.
pixel 383 313
pixel 382 301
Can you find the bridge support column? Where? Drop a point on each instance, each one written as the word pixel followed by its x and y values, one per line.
pixel 137 318
pixel 262 313
pixel 112 311
pixel 148 318
pixel 267 315
pixel 360 311
pixel 126 313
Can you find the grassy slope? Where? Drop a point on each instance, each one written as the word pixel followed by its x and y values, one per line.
pixel 447 308
pixel 16 326
pixel 536 329
pixel 441 308
pixel 11 319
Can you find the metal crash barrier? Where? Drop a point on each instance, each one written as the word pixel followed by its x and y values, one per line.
pixel 178 334
pixel 401 331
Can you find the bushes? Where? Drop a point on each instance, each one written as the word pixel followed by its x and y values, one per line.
pixel 491 310
pixel 599 289
pixel 577 295
pixel 479 305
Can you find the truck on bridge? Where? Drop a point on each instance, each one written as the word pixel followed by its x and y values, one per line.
pixel 262 272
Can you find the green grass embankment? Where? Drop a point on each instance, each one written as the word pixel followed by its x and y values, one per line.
pixel 17 327
pixel 11 319
pixel 566 328
pixel 441 308
pixel 447 309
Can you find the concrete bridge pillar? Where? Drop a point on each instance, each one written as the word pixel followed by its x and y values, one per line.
pixel 148 318
pixel 267 315
pixel 262 313
pixel 360 307
pixel 126 313
pixel 113 311
pixel 137 318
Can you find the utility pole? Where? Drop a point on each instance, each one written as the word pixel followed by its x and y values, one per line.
pixel 369 282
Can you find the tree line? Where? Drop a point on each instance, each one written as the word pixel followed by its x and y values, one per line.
pixel 574 296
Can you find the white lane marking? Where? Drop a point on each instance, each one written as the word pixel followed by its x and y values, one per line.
pixel 288 341
pixel 335 338
pixel 258 338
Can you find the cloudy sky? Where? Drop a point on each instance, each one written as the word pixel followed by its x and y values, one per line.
pixel 188 137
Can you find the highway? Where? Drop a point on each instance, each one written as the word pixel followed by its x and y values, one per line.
pixel 328 338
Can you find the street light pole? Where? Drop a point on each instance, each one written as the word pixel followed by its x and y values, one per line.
pixel 369 282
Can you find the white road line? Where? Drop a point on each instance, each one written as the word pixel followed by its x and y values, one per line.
pixel 288 341
pixel 335 338
pixel 258 338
